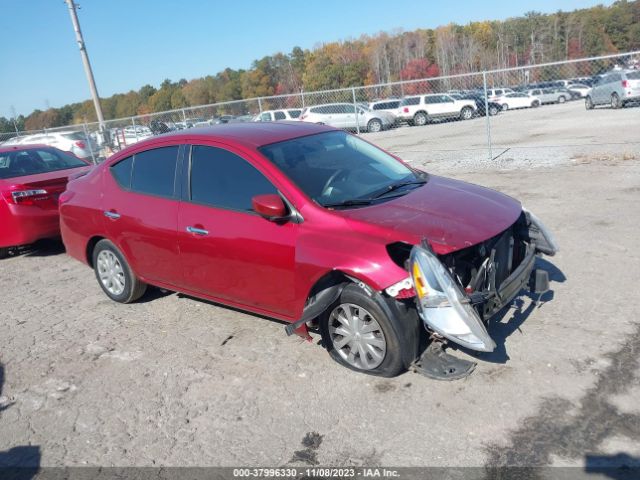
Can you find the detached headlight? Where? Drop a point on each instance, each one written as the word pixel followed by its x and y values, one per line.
pixel 545 241
pixel 443 306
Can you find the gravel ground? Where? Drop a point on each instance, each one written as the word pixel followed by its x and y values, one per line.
pixel 176 381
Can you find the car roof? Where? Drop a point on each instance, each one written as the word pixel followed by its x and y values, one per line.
pixel 252 134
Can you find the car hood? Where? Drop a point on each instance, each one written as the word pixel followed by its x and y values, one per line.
pixel 450 214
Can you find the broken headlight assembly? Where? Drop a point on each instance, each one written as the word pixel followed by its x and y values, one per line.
pixel 545 241
pixel 442 305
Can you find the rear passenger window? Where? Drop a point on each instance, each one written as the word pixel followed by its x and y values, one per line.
pixel 222 179
pixel 121 172
pixel 154 171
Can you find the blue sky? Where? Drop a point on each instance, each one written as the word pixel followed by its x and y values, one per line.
pixel 135 42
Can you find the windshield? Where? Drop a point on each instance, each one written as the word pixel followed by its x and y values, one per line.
pixel 18 163
pixel 336 167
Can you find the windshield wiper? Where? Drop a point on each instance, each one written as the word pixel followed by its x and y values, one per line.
pixel 350 203
pixel 395 186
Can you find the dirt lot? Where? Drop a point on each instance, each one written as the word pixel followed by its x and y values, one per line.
pixel 177 381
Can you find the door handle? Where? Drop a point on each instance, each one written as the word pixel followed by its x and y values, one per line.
pixel 112 215
pixel 198 231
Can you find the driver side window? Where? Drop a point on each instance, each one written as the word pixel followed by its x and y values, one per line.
pixel 222 179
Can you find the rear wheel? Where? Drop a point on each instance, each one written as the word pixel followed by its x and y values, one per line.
pixel 505 107
pixel 374 125
pixel 561 99
pixel 360 335
pixel 615 101
pixel 466 113
pixel 4 253
pixel 493 111
pixel 114 275
pixel 420 119
pixel 535 104
pixel 588 103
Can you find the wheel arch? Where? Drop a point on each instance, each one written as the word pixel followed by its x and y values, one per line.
pixel 91 245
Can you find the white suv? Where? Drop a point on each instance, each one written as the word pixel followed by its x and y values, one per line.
pixel 343 115
pixel 419 109
pixel 277 115
pixel 69 141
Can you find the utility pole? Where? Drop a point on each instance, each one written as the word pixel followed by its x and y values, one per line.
pixel 85 62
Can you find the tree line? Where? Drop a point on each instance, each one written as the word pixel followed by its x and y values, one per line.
pixel 380 58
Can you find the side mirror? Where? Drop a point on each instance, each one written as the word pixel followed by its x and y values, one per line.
pixel 269 206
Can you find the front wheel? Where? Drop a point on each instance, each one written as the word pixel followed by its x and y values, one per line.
pixel 588 103
pixel 505 107
pixel 493 111
pixel 374 125
pixel 4 253
pixel 114 275
pixel 561 99
pixel 359 334
pixel 466 113
pixel 535 104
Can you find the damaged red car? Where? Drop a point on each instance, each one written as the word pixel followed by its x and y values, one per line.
pixel 313 226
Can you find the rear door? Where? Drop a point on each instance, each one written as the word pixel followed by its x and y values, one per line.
pixel 228 251
pixel 141 212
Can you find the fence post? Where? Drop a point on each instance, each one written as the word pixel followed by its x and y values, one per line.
pixel 260 104
pixel 184 118
pixel 302 95
pixel 135 130
pixel 355 110
pixel 486 114
pixel 86 134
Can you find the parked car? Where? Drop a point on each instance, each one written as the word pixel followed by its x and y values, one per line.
pixel 303 222
pixel 343 115
pixel 549 95
pixel 518 100
pixel 31 178
pixel 494 107
pixel 579 88
pixel 495 93
pixel 77 143
pixel 277 115
pixel 389 105
pixel 420 109
pixel 616 88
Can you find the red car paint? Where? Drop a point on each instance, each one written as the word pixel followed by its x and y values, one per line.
pixel 36 217
pixel 266 267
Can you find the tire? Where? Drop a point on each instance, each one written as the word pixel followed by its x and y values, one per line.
pixel 420 119
pixel 588 103
pixel 535 104
pixel 561 99
pixel 4 253
pixel 615 101
pixel 466 113
pixel 505 107
pixel 114 275
pixel 374 125
pixel 493 111
pixel 394 335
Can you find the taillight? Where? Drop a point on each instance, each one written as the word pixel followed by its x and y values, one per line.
pixel 25 197
pixel 625 83
pixel 80 144
pixel 405 109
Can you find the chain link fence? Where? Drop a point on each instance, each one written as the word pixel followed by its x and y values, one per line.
pixel 527 115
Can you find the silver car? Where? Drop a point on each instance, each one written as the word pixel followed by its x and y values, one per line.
pixel 348 116
pixel 549 95
pixel 615 88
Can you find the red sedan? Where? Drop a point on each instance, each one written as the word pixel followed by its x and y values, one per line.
pixel 31 179
pixel 310 225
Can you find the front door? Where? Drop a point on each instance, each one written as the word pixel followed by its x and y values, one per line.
pixel 228 251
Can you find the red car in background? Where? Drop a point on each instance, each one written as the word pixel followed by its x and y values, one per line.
pixel 313 226
pixel 31 179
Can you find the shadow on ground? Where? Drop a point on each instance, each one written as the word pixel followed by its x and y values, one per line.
pixel 17 463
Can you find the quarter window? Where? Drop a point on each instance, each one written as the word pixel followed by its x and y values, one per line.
pixel 121 172
pixel 154 171
pixel 222 179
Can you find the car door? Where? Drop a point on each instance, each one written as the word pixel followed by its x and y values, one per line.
pixel 347 115
pixel 448 106
pixel 597 95
pixel 140 212
pixel 227 251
